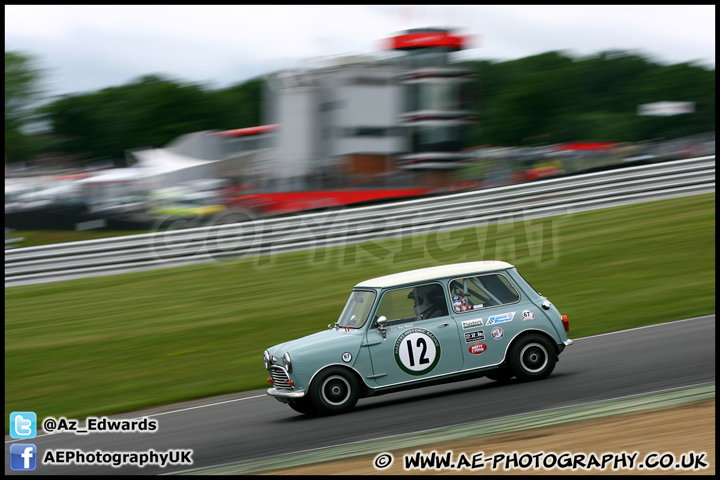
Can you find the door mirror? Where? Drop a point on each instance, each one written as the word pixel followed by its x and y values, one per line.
pixel 381 321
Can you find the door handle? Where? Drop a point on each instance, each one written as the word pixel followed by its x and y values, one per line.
pixel 444 324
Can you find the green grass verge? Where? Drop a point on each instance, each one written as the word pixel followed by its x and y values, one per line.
pixel 118 343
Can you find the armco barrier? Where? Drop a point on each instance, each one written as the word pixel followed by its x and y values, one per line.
pixel 544 198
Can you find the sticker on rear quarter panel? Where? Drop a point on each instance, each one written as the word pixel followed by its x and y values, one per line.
pixel 502 318
pixel 417 351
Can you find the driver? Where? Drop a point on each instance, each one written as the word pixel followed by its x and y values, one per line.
pixel 427 302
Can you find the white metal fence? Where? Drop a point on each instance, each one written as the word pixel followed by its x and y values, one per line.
pixel 167 248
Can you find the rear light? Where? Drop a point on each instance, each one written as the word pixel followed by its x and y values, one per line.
pixel 566 324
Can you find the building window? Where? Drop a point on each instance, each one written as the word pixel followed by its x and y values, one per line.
pixel 332 105
pixel 428 57
pixel 436 138
pixel 370 132
pixel 366 131
pixel 369 81
pixel 436 96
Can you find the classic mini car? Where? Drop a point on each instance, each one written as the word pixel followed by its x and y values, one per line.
pixel 418 328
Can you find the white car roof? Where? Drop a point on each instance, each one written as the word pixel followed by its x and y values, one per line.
pixel 430 273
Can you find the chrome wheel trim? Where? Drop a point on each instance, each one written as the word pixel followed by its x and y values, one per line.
pixel 532 354
pixel 336 387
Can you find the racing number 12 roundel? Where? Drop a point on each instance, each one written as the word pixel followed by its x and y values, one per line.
pixel 417 351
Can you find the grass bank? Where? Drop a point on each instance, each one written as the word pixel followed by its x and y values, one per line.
pixel 113 344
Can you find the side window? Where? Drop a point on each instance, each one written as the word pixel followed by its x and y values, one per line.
pixel 408 304
pixel 482 291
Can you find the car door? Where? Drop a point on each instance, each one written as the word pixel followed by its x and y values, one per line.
pixel 487 310
pixel 417 341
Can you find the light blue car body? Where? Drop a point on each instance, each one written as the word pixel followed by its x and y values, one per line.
pixel 418 351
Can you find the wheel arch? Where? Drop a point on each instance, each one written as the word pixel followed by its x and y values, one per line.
pixel 525 333
pixel 365 390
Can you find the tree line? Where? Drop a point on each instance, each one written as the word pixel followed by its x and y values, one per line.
pixel 553 97
pixel 548 98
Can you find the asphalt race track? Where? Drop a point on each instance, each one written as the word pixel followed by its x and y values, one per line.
pixel 251 425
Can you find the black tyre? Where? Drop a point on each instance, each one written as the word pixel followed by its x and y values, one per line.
pixel 334 390
pixel 303 405
pixel 532 357
pixel 502 374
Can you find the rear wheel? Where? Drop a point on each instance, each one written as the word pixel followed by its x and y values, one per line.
pixel 334 390
pixel 532 358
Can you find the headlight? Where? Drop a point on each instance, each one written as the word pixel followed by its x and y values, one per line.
pixel 287 362
pixel 266 360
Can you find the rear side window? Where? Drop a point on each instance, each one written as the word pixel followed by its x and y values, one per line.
pixel 481 291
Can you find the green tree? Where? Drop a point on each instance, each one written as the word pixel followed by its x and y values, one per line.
pixel 553 97
pixel 23 92
pixel 547 98
pixel 148 112
pixel 240 105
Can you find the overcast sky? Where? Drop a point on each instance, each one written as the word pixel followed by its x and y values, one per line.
pixel 86 48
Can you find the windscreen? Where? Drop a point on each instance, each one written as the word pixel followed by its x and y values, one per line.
pixel 356 309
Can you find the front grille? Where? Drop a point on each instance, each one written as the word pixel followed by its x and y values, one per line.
pixel 280 377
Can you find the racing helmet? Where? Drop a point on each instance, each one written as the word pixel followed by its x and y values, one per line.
pixel 421 297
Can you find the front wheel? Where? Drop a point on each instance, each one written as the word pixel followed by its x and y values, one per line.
pixel 532 358
pixel 335 390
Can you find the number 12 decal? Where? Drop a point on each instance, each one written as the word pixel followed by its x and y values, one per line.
pixel 417 351
pixel 421 343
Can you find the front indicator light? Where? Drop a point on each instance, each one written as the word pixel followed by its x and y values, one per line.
pixel 269 380
pixel 566 324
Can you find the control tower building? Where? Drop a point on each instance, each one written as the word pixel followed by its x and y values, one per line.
pixel 397 118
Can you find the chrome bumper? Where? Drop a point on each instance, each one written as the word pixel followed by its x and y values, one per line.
pixel 284 395
pixel 568 342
